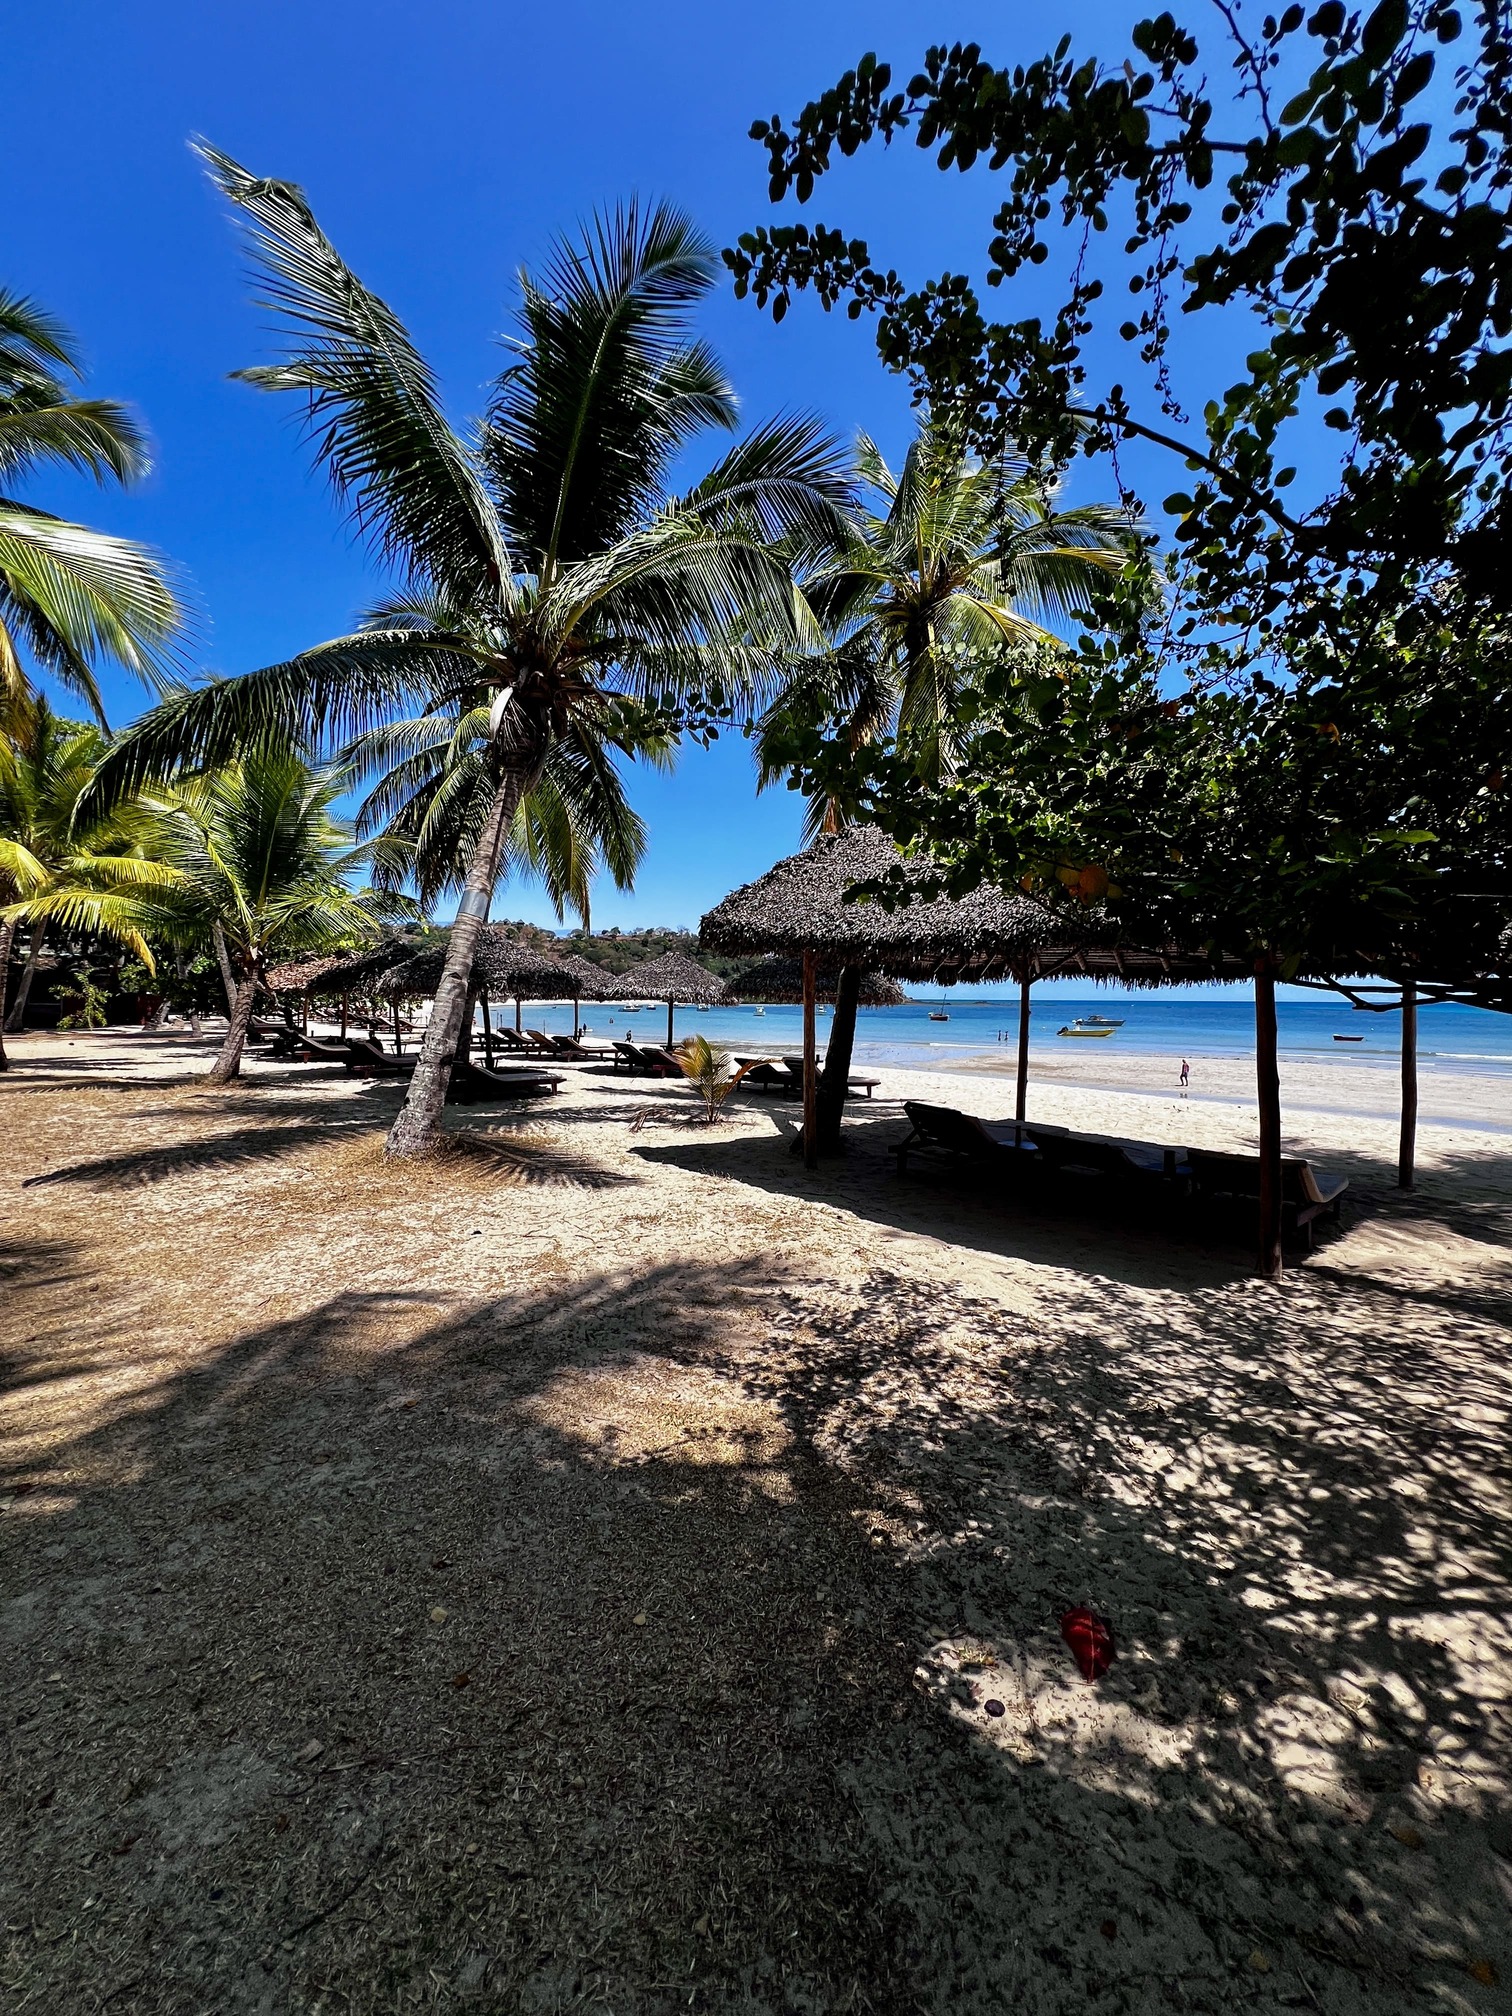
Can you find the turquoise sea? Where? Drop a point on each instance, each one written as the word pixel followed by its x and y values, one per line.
pixel 1449 1038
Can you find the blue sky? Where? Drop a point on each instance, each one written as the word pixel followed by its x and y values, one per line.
pixel 442 147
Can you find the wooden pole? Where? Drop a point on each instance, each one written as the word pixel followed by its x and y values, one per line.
pixel 669 1025
pixel 810 1070
pixel 343 1014
pixel 1268 1088
pixel 1021 1094
pixel 517 1015
pixel 577 1018
pixel 398 1044
pixel 1407 1147
pixel 487 1031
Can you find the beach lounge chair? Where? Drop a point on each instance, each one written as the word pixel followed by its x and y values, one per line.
pixel 657 1062
pixel 511 1039
pixel 763 1075
pixel 856 1082
pixel 627 1057
pixel 358 1054
pixel 321 1050
pixel 1307 1194
pixel 541 1043
pixel 473 1085
pixel 940 1132
pixel 570 1050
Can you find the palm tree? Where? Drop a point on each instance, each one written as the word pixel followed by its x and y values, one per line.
pixel 69 597
pixel 550 573
pixel 99 874
pixel 955 560
pixel 433 788
pixel 260 856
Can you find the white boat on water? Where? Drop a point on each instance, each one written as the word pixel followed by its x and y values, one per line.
pixel 1100 1021
pixel 1082 1029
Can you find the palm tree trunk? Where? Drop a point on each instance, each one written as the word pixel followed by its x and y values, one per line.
pixel 415 1130
pixel 228 978
pixel 7 937
pixel 228 1064
pixel 834 1079
pixel 16 1019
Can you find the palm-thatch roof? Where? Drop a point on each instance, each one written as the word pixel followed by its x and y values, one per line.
pixel 500 964
pixel 587 982
pixel 800 906
pixel 779 982
pixel 294 975
pixel 354 972
pixel 672 977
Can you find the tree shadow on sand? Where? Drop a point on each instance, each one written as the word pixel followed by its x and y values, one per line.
pixel 637 1644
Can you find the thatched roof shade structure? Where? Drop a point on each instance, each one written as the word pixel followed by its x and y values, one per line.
pixel 501 965
pixel 800 906
pixel 588 982
pixel 779 982
pixel 355 972
pixel 295 975
pixel 671 978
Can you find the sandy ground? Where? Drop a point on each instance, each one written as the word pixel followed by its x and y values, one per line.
pixel 610 1567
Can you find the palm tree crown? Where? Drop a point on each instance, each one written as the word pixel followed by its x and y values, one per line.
pixel 69 597
pixel 951 560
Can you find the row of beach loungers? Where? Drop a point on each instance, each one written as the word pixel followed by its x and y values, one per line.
pixel 1128 1173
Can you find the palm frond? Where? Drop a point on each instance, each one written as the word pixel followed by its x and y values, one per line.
pixel 374 410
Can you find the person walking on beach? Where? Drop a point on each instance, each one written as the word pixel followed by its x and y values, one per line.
pixel 1186 1072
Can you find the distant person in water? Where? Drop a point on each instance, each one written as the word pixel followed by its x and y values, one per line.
pixel 1186 1072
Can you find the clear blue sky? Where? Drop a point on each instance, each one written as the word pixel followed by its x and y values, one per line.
pixel 441 147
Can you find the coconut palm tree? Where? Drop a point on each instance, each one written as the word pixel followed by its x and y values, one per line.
pixel 260 856
pixel 948 561
pixel 953 561
pixel 70 598
pixel 550 573
pixel 96 874
pixel 433 787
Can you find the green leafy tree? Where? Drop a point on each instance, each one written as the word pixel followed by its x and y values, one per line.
pixel 61 867
pixel 259 852
pixel 550 572
pixel 70 598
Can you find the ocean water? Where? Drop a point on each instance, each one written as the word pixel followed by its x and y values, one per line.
pixel 1450 1038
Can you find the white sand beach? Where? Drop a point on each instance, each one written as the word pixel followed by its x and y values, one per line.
pixel 614 1539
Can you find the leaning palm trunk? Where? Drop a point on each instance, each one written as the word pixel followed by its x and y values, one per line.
pixel 17 1017
pixel 419 1121
pixel 7 936
pixel 228 1064
pixel 834 1080
pixel 228 978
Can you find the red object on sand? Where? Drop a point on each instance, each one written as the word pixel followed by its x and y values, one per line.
pixel 1091 1640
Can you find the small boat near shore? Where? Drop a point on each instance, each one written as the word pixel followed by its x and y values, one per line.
pixel 1100 1021
pixel 1080 1029
pixel 1349 1039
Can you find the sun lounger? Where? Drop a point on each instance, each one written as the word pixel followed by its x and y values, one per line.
pixel 762 1075
pixel 360 1055
pixel 659 1062
pixel 511 1039
pixel 942 1132
pixel 570 1050
pixel 1307 1194
pixel 541 1042
pixel 473 1085
pixel 856 1082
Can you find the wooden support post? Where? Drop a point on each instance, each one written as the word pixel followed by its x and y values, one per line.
pixel 518 1027
pixel 487 1030
pixel 398 1044
pixel 577 1018
pixel 1021 1094
pixel 1407 1146
pixel 669 1025
pixel 1268 1089
pixel 343 1014
pixel 810 1070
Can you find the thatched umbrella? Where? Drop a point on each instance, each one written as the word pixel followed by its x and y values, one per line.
pixel 588 982
pixel 501 965
pixel 357 971
pixel 779 983
pixel 672 978
pixel 800 907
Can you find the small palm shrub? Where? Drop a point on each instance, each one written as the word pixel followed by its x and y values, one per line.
pixel 712 1073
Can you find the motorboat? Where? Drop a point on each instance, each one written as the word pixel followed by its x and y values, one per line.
pixel 1100 1021
pixel 1081 1029
pixel 938 1015
pixel 1349 1039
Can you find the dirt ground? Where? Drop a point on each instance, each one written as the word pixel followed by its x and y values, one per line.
pixel 610 1568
